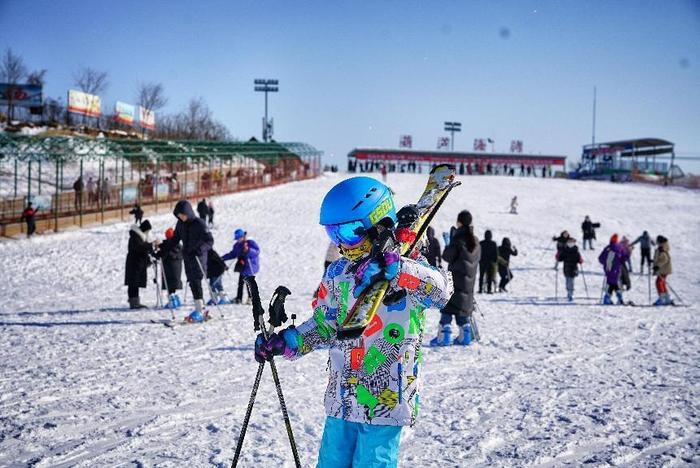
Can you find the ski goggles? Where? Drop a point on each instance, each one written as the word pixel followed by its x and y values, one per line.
pixel 350 233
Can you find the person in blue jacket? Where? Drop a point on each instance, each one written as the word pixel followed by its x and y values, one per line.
pixel 246 253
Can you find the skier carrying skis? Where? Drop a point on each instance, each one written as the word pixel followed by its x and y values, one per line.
pixel 246 253
pixel 137 262
pixel 462 255
pixel 432 250
pixel 504 253
pixel 662 268
pixel 171 255
pixel 645 242
pixel 196 243
pixel 215 272
pixel 373 383
pixel 572 259
pixel 588 227
pixel 612 257
pixel 514 205
pixel 487 263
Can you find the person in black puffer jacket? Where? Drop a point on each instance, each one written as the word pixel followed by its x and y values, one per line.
pixel 571 257
pixel 462 256
pixel 196 243
pixel 487 263
pixel 137 261
pixel 432 251
pixel 504 253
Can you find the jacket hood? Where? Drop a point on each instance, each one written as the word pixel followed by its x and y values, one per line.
pixel 136 230
pixel 184 207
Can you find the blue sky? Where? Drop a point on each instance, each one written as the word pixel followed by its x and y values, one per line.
pixel 358 74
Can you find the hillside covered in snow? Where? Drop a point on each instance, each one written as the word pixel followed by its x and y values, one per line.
pixel 86 382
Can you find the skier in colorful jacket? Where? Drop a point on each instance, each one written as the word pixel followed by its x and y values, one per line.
pixel 374 378
pixel 612 257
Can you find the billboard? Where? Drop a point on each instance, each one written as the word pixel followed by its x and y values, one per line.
pixel 21 95
pixel 84 103
pixel 147 118
pixel 124 112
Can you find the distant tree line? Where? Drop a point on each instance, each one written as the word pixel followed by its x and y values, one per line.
pixel 195 122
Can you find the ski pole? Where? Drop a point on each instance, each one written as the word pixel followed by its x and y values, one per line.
pixel 680 301
pixel 583 275
pixel 165 280
pixel 259 323
pixel 602 289
pixel 648 283
pixel 556 283
pixel 159 299
pixel 211 291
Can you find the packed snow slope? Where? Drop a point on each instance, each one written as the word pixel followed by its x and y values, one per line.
pixel 85 382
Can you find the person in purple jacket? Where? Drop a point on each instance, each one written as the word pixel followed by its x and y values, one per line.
pixel 612 258
pixel 246 252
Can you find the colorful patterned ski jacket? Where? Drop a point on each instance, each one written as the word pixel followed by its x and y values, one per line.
pixel 375 378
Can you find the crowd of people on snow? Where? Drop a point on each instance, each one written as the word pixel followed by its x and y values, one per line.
pixel 189 243
pixel 616 261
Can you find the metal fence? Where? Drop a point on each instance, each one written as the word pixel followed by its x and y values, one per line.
pixel 47 171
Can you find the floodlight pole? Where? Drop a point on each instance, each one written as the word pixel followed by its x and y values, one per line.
pixel 266 86
pixel 453 127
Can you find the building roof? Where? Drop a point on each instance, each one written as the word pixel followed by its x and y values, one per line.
pixel 378 154
pixel 632 148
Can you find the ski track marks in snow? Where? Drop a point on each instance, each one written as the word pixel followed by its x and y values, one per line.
pixel 86 382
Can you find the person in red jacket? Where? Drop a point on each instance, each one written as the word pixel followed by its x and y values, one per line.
pixel 29 217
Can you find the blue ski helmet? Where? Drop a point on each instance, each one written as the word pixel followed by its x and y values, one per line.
pixel 238 234
pixel 353 206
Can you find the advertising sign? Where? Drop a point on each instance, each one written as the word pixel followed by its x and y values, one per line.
pixel 147 118
pixel 124 112
pixel 21 95
pixel 163 190
pixel 41 202
pixel 84 103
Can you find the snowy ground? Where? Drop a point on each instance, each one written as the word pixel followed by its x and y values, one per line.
pixel 85 382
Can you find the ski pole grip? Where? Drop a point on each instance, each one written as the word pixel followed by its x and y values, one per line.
pixel 254 293
pixel 276 308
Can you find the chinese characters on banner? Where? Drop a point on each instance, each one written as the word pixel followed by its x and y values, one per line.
pixel 443 142
pixel 406 141
pixel 479 144
pixel 516 146
pixel 84 103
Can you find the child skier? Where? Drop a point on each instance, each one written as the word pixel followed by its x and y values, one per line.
pixel 662 268
pixel 612 258
pixel 572 259
pixel 505 251
pixel 196 243
pixel 246 253
pixel 137 261
pixel 215 272
pixel 171 255
pixel 373 383
pixel 29 217
pixel 514 205
pixel 462 255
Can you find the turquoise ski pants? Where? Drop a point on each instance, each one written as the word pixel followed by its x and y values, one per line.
pixel 349 444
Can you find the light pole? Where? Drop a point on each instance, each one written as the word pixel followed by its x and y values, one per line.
pixel 453 127
pixel 266 86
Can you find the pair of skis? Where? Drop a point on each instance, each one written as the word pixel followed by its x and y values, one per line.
pixel 277 318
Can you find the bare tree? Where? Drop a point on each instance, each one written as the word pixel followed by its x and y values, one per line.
pixel 152 96
pixel 196 122
pixel 91 81
pixel 12 70
pixel 37 77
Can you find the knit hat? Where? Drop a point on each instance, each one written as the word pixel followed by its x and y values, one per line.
pixel 145 226
pixel 661 239
pixel 613 239
pixel 464 217
pixel 169 233
pixel 239 233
